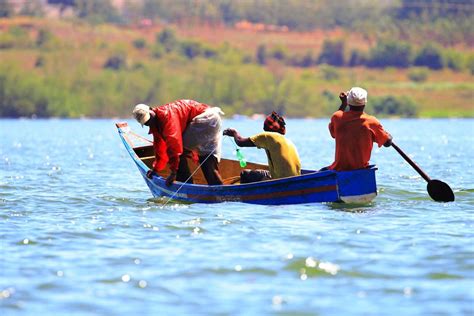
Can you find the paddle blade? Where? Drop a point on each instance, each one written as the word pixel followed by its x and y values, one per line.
pixel 440 191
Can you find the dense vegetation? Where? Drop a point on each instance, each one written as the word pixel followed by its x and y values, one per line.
pixel 445 21
pixel 104 70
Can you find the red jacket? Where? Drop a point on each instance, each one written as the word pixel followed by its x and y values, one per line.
pixel 355 133
pixel 172 120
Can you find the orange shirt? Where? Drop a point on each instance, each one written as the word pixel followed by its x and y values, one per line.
pixel 355 132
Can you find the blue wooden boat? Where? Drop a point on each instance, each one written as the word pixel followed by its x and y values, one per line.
pixel 357 186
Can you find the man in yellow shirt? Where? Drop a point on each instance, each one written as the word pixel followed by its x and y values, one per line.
pixel 283 159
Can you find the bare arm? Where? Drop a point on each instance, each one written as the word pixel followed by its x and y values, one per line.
pixel 388 143
pixel 343 98
pixel 239 140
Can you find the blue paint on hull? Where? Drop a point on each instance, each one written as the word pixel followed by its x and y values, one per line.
pixel 310 187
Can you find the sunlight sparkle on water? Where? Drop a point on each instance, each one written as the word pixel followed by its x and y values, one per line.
pixel 329 267
pixel 277 300
pixel 99 221
pixel 310 262
pixel 125 278
pixel 7 293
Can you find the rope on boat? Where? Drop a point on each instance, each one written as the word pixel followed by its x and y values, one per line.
pixel 232 141
pixel 176 192
pixel 132 133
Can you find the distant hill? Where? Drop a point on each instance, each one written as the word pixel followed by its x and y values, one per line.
pixel 95 58
pixel 448 22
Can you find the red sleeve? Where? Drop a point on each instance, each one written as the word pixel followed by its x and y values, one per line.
pixel 174 140
pixel 380 135
pixel 160 154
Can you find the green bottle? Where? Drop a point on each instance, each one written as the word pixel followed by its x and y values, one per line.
pixel 241 158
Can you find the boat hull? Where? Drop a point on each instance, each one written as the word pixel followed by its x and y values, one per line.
pixel 357 186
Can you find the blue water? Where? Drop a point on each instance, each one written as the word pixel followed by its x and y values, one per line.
pixel 81 235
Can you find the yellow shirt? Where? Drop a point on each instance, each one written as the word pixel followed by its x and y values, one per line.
pixel 283 159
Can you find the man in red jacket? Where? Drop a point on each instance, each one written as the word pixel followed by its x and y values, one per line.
pixel 355 132
pixel 179 129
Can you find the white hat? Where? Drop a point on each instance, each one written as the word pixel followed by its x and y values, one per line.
pixel 141 113
pixel 357 96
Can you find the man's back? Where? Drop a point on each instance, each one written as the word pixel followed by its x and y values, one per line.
pixel 179 113
pixel 355 132
pixel 283 159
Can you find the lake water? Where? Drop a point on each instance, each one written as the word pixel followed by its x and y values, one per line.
pixel 81 235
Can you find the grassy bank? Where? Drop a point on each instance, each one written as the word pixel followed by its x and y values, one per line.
pixel 72 69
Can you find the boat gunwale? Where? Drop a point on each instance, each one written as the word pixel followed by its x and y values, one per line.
pixel 274 185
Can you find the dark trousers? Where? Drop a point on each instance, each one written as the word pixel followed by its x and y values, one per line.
pixel 249 176
pixel 210 169
pixel 183 170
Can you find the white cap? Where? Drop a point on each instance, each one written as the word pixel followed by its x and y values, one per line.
pixel 141 113
pixel 357 96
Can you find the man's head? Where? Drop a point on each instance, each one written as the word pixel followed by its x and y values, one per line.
pixel 141 113
pixel 357 97
pixel 274 123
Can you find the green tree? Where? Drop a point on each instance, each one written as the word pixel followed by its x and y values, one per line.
pixel 97 11
pixel 332 53
pixel 139 43
pixel 279 52
pixel 398 106
pixel 44 37
pixel 191 49
pixel 430 56
pixel 307 60
pixel 32 8
pixel 454 60
pixel 167 38
pixel 116 61
pixel 329 73
pixel 6 9
pixel 63 2
pixel 357 58
pixel 390 54
pixel 261 54
pixel 152 9
pixel 418 74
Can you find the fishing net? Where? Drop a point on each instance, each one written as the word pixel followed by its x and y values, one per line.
pixel 204 133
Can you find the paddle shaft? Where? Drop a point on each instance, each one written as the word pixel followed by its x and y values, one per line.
pixel 411 162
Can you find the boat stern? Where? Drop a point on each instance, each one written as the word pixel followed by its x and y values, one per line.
pixel 357 186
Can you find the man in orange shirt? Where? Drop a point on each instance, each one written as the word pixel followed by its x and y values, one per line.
pixel 355 132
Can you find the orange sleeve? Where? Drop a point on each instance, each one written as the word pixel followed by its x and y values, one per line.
pixel 380 134
pixel 331 125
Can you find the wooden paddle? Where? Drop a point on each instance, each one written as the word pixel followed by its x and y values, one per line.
pixel 438 190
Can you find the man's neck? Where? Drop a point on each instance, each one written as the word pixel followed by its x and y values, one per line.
pixel 356 108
